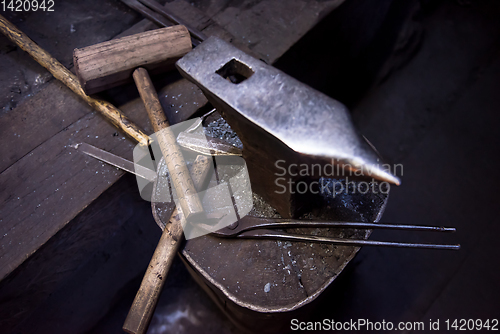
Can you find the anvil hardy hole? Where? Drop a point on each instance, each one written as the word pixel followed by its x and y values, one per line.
pixel 235 71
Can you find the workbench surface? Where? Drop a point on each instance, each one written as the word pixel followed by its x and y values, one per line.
pixel 45 182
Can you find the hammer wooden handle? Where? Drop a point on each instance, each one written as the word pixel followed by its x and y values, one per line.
pixel 145 301
pixel 179 173
pixel 61 73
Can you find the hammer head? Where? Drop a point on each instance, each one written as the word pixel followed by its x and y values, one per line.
pixel 109 64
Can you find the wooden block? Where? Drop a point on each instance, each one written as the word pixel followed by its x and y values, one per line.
pixel 110 64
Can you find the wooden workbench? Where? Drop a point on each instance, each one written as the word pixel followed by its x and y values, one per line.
pixel 46 183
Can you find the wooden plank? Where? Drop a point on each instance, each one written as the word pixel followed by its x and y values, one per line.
pixel 268 27
pixel 209 27
pixel 30 125
pixel 104 237
pixel 71 25
pixel 141 26
pixel 36 120
pixel 53 183
pixel 20 295
pixel 44 182
pixel 180 99
pixel 29 150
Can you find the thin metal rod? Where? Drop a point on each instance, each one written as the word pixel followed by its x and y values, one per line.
pixel 269 234
pixel 251 223
pixel 282 223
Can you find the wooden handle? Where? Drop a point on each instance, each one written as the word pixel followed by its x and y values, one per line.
pixel 183 184
pixel 61 73
pixel 145 301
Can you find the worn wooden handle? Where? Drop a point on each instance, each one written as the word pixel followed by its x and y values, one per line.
pixel 145 301
pixel 183 184
pixel 61 73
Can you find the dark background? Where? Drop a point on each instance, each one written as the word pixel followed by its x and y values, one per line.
pixel 436 112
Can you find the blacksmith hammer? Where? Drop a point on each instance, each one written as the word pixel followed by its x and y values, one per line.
pixel 109 64
pixel 284 125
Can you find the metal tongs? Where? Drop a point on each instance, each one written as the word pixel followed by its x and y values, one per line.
pixel 263 228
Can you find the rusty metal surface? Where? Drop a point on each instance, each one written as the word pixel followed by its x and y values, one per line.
pixel 266 279
pixel 274 276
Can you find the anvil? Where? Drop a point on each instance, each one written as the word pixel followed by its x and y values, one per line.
pixel 284 126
